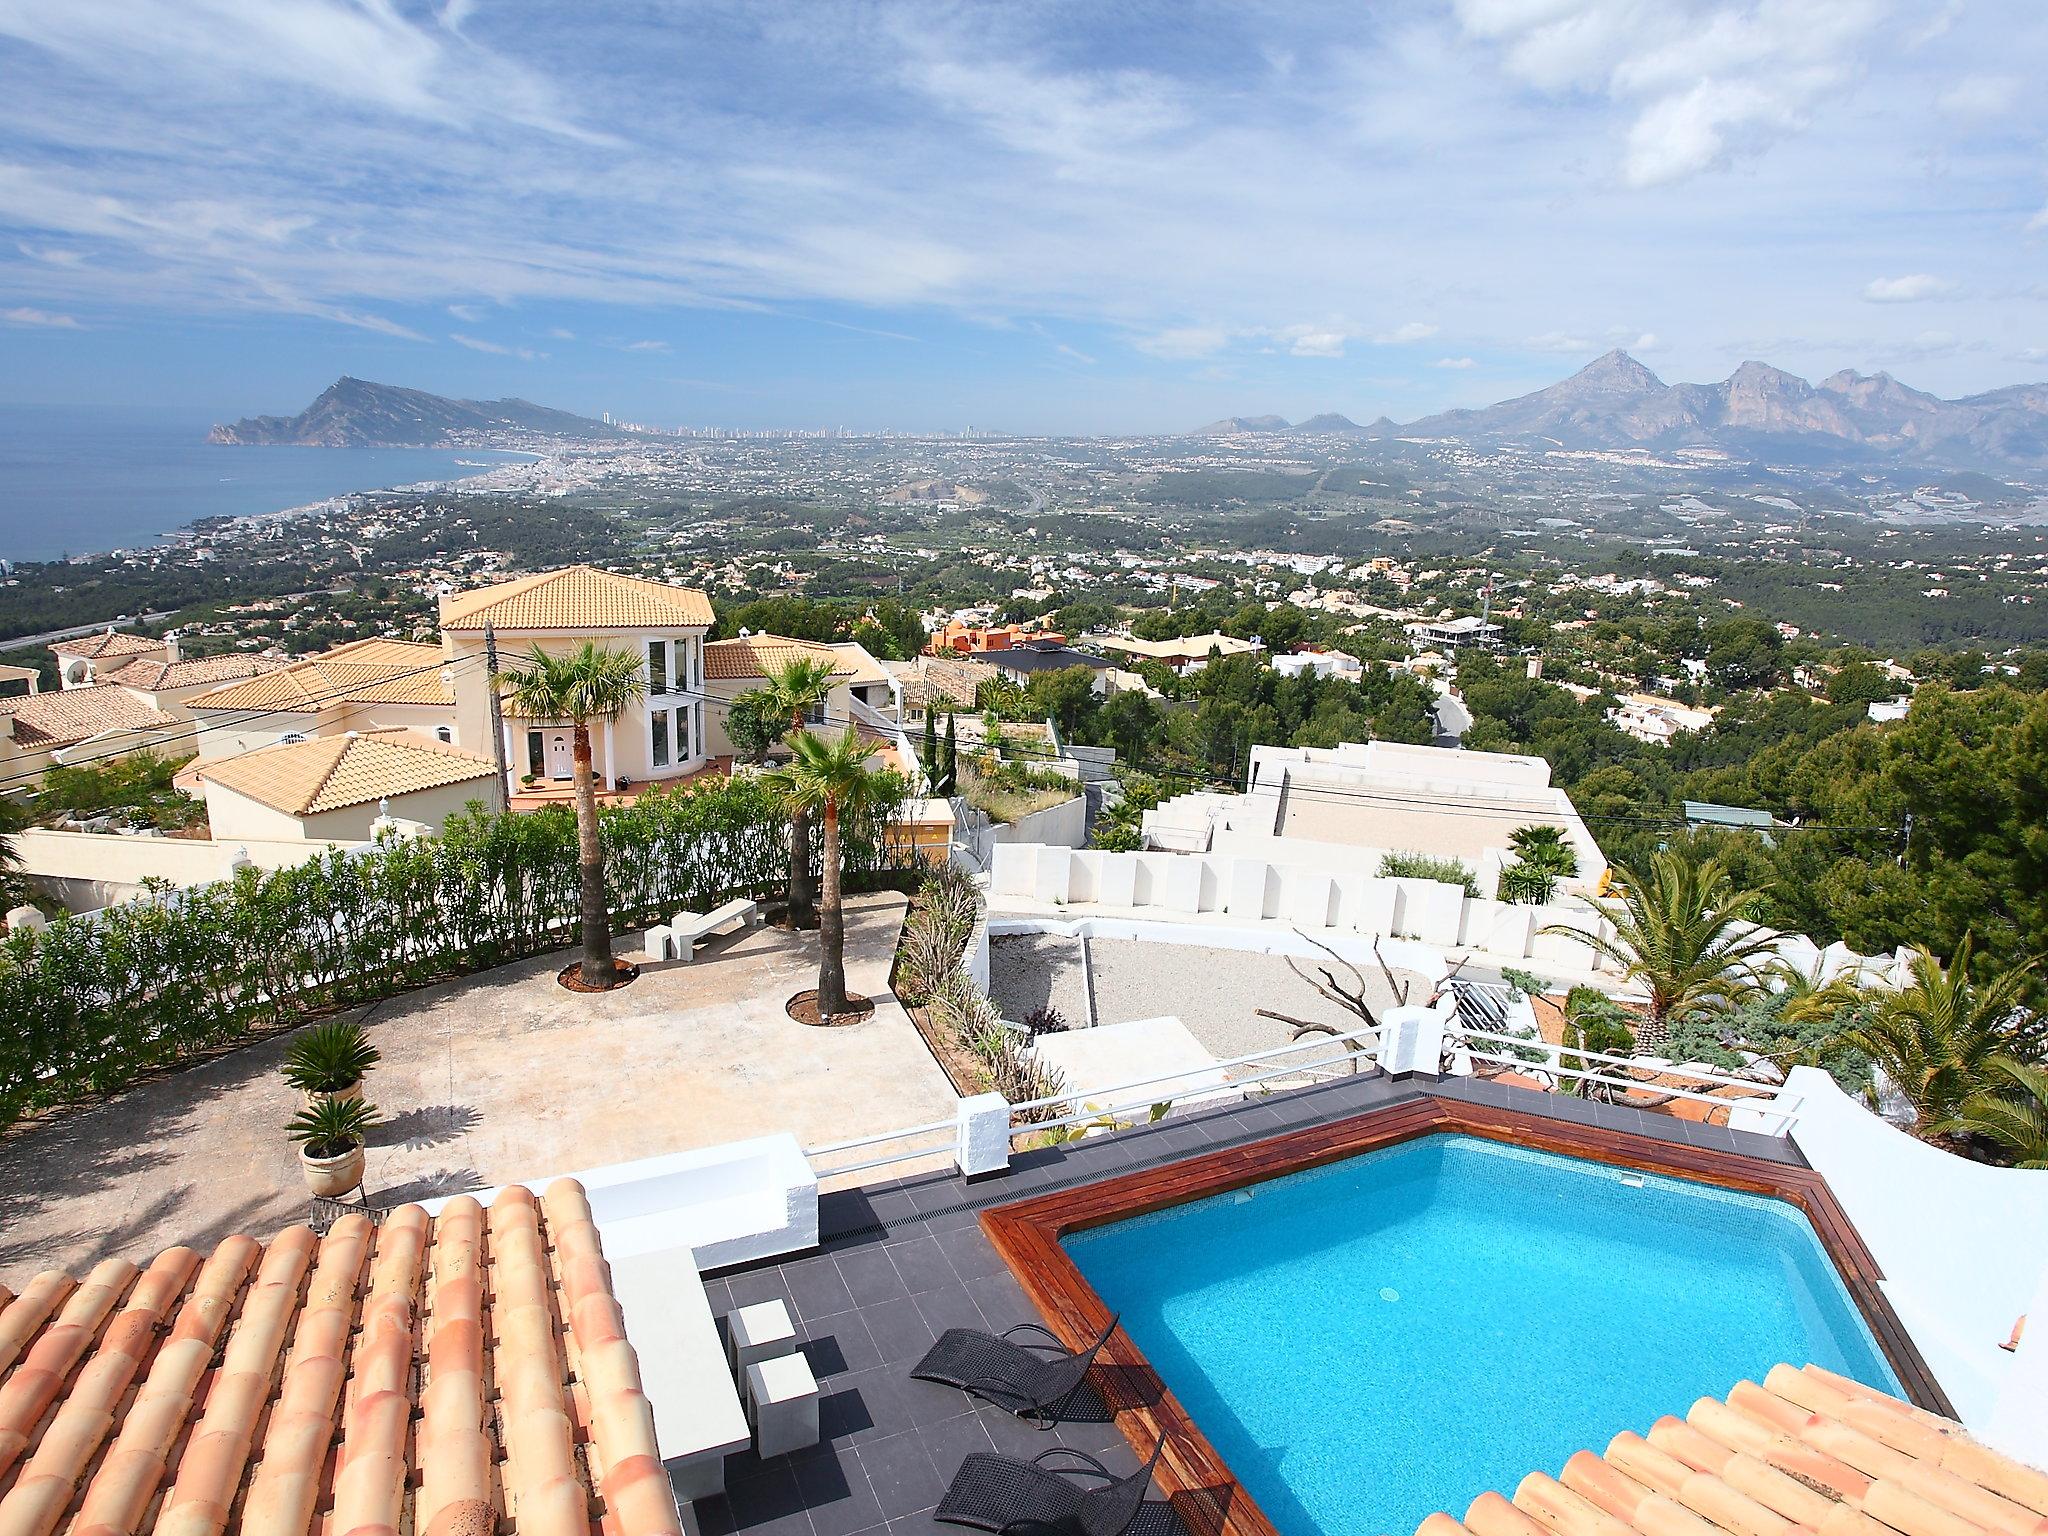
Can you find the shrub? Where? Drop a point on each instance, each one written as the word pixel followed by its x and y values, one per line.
pixel 1045 1021
pixel 330 1057
pixel 937 931
pixel 1423 866
pixel 1526 883
pixel 330 1127
pixel 1525 982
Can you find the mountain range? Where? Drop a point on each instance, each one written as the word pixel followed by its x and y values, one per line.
pixel 354 413
pixel 1757 412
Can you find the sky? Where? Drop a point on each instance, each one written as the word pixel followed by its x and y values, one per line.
pixel 1031 217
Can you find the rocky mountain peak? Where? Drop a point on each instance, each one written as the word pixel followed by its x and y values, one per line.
pixel 1613 373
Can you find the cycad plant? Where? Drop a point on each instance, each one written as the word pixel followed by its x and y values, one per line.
pixel 2010 1113
pixel 832 778
pixel 1682 931
pixel 1939 1038
pixel 586 685
pixel 329 1058
pixel 333 1127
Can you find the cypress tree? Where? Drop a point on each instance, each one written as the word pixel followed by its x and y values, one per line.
pixel 931 746
pixel 952 775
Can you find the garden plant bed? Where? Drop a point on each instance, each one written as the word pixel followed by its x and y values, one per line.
pixel 804 1009
pixel 571 976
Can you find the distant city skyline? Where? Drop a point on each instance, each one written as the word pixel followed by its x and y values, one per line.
pixel 1021 217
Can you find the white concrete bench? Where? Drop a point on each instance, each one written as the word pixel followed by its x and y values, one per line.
pixel 699 1417
pixel 679 938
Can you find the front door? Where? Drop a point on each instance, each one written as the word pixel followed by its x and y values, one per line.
pixel 561 757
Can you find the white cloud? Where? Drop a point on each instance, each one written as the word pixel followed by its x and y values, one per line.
pixel 468 313
pixel 1648 341
pixel 1980 96
pixel 1075 353
pixel 1455 362
pixel 1560 341
pixel 43 318
pixel 1184 341
pixel 647 346
pixel 1401 335
pixel 1913 288
pixel 2039 220
pixel 556 333
pixel 496 349
pixel 1314 340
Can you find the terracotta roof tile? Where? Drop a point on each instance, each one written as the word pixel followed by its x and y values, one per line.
pixel 330 773
pixel 1808 1451
pixel 273 1390
pixel 576 597
pixel 108 642
pixel 64 718
pixel 361 672
pixel 752 656
pixel 154 676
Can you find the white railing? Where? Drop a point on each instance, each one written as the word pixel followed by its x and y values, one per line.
pixel 1352 1060
pixel 1772 1105
pixel 950 1129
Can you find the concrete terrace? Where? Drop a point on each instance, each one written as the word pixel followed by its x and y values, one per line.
pixel 498 1076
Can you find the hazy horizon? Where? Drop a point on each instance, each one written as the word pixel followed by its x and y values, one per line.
pixel 1037 218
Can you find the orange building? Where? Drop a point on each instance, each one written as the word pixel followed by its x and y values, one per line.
pixel 958 639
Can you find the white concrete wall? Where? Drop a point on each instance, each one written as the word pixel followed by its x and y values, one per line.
pixel 1064 825
pixel 1963 1247
pixel 90 870
pixel 1256 890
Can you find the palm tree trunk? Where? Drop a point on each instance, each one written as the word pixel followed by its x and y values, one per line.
pixel 831 926
pixel 598 970
pixel 801 898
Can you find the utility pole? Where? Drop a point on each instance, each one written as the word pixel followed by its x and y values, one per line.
pixel 500 795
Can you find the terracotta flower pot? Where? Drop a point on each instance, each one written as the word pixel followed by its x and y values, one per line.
pixel 332 1177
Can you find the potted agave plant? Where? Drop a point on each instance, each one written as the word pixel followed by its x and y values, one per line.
pixel 329 1061
pixel 331 1134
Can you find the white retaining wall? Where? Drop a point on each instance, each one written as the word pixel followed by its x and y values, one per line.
pixel 1964 1250
pixel 1427 911
pixel 90 870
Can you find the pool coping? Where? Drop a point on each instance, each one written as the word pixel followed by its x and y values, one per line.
pixel 1192 1473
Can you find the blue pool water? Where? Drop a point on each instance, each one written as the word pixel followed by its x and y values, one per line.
pixel 1399 1332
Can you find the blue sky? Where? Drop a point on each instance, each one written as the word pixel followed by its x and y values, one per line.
pixel 1065 217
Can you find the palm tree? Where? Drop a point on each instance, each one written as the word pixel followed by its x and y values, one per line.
pixel 832 778
pixel 1937 1039
pixel 2013 1116
pixel 794 689
pixel 1684 934
pixel 587 685
pixel 1544 847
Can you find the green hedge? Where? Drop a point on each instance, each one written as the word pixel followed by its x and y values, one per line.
pixel 89 1004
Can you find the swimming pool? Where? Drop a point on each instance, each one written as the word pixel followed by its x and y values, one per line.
pixel 1393 1334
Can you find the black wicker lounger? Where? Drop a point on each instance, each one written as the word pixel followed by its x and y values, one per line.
pixel 992 1492
pixel 1037 1387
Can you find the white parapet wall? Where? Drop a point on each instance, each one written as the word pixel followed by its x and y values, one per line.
pixel 1252 891
pixel 90 870
pixel 1964 1251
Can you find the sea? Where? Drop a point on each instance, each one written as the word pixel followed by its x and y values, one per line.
pixel 77 481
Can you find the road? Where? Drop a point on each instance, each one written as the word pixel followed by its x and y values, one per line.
pixel 51 635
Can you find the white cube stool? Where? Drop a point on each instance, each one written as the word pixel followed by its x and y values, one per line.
pixel 660 940
pixel 760 1332
pixel 782 1405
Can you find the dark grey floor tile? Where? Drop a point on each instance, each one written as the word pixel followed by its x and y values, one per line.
pixel 836 1493
pixel 870 1275
pixel 921 1264
pixel 845 1211
pixel 838 1345
pixel 755 1285
pixel 967 1249
pixel 1012 1435
pixel 898 1329
pixel 952 1441
pixel 815 1287
pixel 901 1475
pixel 1002 1301
pixel 921 1524
pixel 949 1307
pixel 768 1504
pixel 866 1405
pixel 932 1402
pixel 714 1516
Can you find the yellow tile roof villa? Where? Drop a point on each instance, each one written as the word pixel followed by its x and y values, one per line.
pixel 760 655
pixel 107 642
pixel 331 773
pixel 576 597
pixel 1807 1451
pixel 458 1375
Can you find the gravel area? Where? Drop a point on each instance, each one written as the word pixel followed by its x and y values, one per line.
pixel 1034 970
pixel 1214 992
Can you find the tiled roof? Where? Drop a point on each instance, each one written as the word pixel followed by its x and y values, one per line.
pixel 1806 1452
pixel 949 681
pixel 361 672
pixel 330 773
pixel 761 655
pixel 450 1376
pixel 157 676
pixel 64 718
pixel 108 642
pixel 577 597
